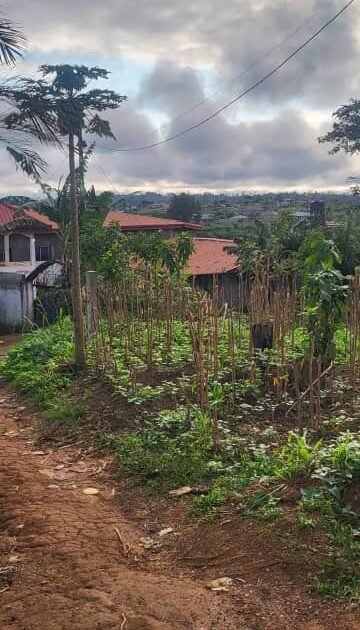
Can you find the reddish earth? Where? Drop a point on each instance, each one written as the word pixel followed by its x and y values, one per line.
pixel 72 561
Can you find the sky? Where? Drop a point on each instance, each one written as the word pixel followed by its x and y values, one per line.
pixel 177 62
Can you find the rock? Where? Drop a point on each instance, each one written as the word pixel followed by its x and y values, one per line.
pixel 80 467
pixel 221 584
pixel 58 475
pixel 91 491
pixel 165 532
pixel 14 559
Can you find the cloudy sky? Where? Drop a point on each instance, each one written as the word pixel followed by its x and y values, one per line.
pixel 177 62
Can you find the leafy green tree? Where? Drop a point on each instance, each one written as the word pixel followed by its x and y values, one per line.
pixel 119 252
pixel 184 207
pixel 63 94
pixel 345 132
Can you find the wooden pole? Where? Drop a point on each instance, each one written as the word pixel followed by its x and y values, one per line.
pixel 79 337
pixel 91 302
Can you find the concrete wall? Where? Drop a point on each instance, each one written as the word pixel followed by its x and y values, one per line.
pixel 53 242
pixel 16 302
pixel 20 247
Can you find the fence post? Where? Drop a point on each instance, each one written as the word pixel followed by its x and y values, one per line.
pixel 91 302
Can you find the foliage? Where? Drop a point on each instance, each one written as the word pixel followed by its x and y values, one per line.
pixel 34 365
pixel 153 250
pixel 12 42
pixel 345 133
pixel 171 449
pixel 58 104
pixel 325 292
pixel 175 446
pixel 15 134
pixel 184 207
pixel 273 244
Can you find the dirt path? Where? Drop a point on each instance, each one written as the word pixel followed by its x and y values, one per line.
pixel 73 561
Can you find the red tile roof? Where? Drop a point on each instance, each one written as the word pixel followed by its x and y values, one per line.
pixel 8 212
pixel 210 256
pixel 139 222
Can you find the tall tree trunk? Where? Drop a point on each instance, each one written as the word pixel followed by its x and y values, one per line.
pixel 82 200
pixel 79 338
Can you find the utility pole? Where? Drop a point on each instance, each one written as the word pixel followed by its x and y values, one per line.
pixel 79 336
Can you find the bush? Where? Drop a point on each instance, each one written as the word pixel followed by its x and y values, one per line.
pixel 40 365
pixel 173 449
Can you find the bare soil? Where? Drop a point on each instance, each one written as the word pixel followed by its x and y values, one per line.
pixel 73 561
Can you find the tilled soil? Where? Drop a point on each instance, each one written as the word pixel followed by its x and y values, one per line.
pixel 76 561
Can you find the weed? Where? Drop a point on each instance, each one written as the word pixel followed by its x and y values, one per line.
pixel 172 449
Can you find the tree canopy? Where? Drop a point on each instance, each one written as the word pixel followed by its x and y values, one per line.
pixel 345 133
pixel 184 207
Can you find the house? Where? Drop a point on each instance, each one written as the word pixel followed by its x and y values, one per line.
pixel 215 260
pixel 212 258
pixel 26 236
pixel 145 223
pixel 31 255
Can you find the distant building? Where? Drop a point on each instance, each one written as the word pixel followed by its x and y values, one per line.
pixel 301 214
pixel 26 236
pixel 145 223
pixel 213 259
pixel 31 256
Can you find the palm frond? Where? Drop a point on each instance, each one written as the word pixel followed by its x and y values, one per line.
pixel 28 161
pixel 33 110
pixel 12 42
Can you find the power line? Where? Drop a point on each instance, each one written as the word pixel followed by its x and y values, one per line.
pixel 104 175
pixel 244 72
pixel 244 93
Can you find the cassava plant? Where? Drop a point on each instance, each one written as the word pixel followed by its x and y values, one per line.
pixel 325 290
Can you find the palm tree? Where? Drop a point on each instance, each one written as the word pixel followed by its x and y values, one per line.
pixel 15 136
pixel 12 43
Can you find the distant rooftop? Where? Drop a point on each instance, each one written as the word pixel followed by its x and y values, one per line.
pixel 139 222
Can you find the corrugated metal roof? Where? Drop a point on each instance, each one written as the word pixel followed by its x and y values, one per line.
pixel 137 222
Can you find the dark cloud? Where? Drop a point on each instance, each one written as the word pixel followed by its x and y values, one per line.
pixel 226 37
pixel 279 152
pixel 193 39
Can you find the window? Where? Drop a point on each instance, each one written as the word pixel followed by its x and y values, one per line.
pixel 43 252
